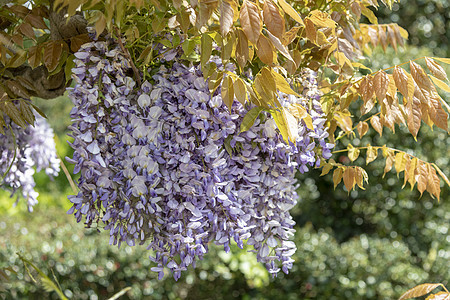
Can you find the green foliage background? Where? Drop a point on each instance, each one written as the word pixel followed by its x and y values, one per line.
pixel 372 244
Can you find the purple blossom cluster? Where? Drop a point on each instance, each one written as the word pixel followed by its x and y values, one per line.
pixel 23 152
pixel 155 167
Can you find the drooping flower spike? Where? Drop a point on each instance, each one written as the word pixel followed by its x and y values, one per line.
pixel 155 171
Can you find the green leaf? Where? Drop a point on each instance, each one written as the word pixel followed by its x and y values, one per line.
pixel 250 117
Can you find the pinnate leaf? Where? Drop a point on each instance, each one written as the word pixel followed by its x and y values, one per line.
pixel 264 50
pixel 349 178
pixel 240 91
pixel 381 84
pixel 227 8
pixel 404 82
pixel 439 83
pixel 337 176
pixel 414 116
pixel 434 183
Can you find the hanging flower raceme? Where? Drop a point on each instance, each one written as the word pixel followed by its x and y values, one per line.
pixel 22 153
pixel 155 169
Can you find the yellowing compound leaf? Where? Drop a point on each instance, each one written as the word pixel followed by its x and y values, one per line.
pixel 441 59
pixel 291 11
pixel 362 128
pixel 250 21
pixel 376 124
pixel 419 290
pixel 265 51
pixel 337 176
pixel 250 117
pixel 436 69
pixel 353 152
pixel 366 88
pixel 228 92
pixel 371 154
pixel 273 19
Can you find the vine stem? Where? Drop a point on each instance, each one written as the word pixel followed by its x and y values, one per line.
pixel 127 54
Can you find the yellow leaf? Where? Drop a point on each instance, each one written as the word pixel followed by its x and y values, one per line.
pixel 439 296
pixel 282 84
pixel 422 178
pixel 434 184
pixel 404 82
pixel 326 169
pixel 381 85
pixel 289 36
pixel 290 11
pixel 251 21
pixel 337 176
pixel 376 124
pixel 388 166
pixel 353 152
pixel 442 174
pixel 281 124
pixel 441 59
pixel 349 178
pixel 264 50
pixel 419 290
pixel 240 91
pixel 273 19
pixel 242 52
pixel 227 92
pixel 440 84
pixel 302 114
pixel 371 154
pixel 321 19
pixel 362 128
pixel 436 69
pixel 414 116
pixel 280 47
pixel 292 125
pixel 227 10
pixel 412 172
pixel 361 177
pixel 400 162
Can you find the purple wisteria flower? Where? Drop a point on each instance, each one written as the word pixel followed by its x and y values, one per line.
pixel 34 150
pixel 155 169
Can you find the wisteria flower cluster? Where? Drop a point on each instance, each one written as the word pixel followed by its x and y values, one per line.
pixel 23 152
pixel 154 166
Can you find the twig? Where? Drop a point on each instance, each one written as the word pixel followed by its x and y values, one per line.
pixel 127 54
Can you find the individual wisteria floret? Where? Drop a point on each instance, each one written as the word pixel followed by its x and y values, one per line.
pixel 155 170
pixel 23 152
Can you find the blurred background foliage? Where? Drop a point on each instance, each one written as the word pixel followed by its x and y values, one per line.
pixel 372 244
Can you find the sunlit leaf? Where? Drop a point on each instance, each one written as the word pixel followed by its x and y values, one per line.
pixel 376 124
pixel 265 51
pixel 273 19
pixel 240 91
pixel 371 154
pixel 250 21
pixel 227 9
pixel 282 84
pixel 349 178
pixel 436 69
pixel 337 176
pixel 250 117
pixel 439 296
pixel 419 290
pixel 353 152
pixel 291 11
pixel 362 128
pixel 227 92
pixel 439 83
